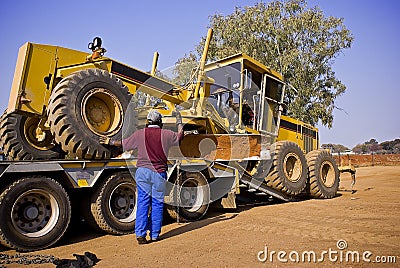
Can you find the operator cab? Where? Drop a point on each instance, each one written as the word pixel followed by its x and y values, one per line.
pixel 247 94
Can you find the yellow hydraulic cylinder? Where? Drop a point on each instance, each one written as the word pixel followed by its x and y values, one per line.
pixel 201 75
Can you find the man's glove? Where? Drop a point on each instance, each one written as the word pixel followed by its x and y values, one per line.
pixel 189 132
pixel 178 117
pixel 106 140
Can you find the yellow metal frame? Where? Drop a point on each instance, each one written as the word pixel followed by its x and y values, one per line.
pixel 30 94
pixel 297 131
pixel 245 60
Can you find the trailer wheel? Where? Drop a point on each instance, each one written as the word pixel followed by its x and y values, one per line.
pixel 191 197
pixel 113 204
pixel 35 213
pixel 323 174
pixel 288 172
pixel 84 107
pixel 19 142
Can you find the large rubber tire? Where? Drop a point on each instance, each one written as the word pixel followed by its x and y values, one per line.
pixel 323 174
pixel 85 106
pixel 191 197
pixel 288 172
pixel 113 204
pixel 35 213
pixel 18 139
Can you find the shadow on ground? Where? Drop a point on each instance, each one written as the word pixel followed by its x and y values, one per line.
pixel 196 225
pixel 80 231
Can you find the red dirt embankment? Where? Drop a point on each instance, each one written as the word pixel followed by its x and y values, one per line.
pixel 366 160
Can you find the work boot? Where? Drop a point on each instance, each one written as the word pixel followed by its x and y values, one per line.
pixel 154 240
pixel 141 240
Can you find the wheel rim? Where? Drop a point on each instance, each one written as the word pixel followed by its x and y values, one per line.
pixel 30 126
pixel 102 112
pixel 35 213
pixel 292 167
pixel 122 202
pixel 191 195
pixel 327 173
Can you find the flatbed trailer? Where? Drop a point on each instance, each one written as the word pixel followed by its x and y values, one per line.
pixel 37 198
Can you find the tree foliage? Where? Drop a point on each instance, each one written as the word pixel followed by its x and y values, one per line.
pixel 300 42
pixel 368 147
pixel 184 67
pixel 372 146
pixel 336 148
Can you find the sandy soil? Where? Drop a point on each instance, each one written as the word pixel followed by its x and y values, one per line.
pixel 367 219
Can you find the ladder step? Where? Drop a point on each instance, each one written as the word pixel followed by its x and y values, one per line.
pixel 246 179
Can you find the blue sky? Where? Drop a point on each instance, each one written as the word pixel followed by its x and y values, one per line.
pixel 133 30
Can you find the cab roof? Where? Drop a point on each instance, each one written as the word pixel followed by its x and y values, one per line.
pixel 247 60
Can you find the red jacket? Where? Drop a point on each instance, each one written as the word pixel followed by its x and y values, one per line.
pixel 153 144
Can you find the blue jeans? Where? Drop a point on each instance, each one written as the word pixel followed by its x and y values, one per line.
pixel 151 187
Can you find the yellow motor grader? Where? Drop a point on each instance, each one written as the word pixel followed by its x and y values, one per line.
pixel 64 103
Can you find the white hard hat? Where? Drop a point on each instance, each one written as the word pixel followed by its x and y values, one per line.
pixel 154 116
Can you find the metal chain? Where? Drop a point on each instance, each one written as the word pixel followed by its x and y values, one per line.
pixel 25 259
pixel 178 180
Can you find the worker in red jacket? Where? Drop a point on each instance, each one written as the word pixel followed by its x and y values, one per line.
pixel 152 144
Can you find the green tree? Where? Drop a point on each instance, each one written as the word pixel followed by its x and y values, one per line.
pixel 357 149
pixel 391 146
pixel 184 67
pixel 300 42
pixel 371 142
pixel 336 148
pixel 396 148
pixel 361 149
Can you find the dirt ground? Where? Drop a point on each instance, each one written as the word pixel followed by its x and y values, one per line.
pixel 367 220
